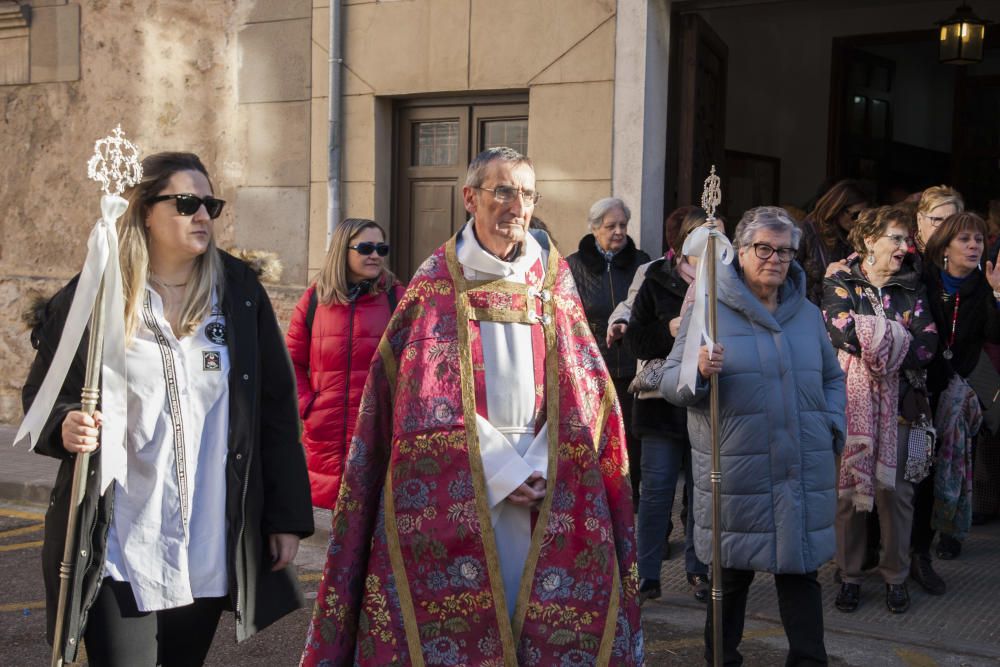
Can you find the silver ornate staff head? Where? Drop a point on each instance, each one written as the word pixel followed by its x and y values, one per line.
pixel 711 195
pixel 115 163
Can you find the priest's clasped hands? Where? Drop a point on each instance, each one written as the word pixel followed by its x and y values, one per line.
pixel 531 493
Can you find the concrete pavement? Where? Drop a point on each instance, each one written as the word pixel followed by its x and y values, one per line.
pixel 961 628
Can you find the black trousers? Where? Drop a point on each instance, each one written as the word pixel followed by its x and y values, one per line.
pixel 632 443
pixel 119 635
pixel 921 534
pixel 800 603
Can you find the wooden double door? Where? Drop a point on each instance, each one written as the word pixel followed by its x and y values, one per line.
pixel 434 145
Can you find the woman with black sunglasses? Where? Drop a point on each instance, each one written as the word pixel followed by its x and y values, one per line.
pixel 215 499
pixel 333 335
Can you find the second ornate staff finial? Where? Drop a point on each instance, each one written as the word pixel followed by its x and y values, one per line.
pixel 711 195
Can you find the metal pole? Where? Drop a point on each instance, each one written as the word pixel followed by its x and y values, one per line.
pixel 90 396
pixel 716 476
pixel 336 61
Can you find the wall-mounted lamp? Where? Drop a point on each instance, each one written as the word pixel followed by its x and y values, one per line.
pixel 962 37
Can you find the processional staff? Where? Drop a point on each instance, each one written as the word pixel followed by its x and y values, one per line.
pixel 710 244
pixel 99 299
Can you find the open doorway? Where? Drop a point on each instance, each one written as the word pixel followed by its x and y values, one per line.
pixel 819 90
pixel 900 121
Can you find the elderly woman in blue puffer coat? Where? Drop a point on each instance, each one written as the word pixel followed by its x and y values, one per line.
pixel 781 412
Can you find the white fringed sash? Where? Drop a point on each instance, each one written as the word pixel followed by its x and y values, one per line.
pixel 696 244
pixel 102 261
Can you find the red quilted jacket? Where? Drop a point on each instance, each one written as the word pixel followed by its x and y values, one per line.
pixel 331 366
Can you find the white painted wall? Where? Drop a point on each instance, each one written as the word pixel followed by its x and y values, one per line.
pixel 639 137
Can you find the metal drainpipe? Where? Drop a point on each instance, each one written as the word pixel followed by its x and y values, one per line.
pixel 334 118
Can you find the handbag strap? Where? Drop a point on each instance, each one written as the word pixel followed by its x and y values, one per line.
pixel 875 301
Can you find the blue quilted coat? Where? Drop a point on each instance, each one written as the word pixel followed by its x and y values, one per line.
pixel 781 407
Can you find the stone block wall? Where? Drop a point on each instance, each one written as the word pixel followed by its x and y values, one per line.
pixel 226 79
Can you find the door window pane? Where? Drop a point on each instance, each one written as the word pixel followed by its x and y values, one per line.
pixel 512 132
pixel 435 143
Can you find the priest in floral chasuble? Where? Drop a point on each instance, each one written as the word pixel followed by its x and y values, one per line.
pixel 485 515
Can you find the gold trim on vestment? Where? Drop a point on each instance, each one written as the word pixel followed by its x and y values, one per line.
pixel 399 574
pixel 611 622
pixel 504 315
pixel 402 582
pixel 388 363
pixel 552 419
pixel 475 456
pixel 602 414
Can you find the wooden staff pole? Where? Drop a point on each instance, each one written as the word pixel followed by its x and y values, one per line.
pixel 90 397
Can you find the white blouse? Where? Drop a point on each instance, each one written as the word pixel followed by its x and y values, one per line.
pixel 168 532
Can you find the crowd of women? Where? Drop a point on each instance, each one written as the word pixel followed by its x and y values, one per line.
pixel 845 346
pixel 873 349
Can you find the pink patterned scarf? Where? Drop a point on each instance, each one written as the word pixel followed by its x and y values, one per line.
pixel 872 408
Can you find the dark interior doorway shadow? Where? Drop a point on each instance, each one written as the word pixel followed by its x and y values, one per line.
pixel 899 121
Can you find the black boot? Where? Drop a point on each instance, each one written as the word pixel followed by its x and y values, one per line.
pixel 649 589
pixel 848 598
pixel 948 547
pixel 923 573
pixel 897 599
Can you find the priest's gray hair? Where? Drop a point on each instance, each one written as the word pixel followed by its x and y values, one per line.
pixel 765 217
pixel 602 207
pixel 476 174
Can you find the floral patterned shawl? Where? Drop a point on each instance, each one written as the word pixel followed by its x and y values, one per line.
pixel 872 398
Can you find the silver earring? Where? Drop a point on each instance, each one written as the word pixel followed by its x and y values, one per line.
pixel 946 262
pixel 871 259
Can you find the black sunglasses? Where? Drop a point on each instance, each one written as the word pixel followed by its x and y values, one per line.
pixel 854 214
pixel 367 248
pixel 189 204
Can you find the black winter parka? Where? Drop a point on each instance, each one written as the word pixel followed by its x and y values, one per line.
pixel 267 487
pixel 602 284
pixel 658 301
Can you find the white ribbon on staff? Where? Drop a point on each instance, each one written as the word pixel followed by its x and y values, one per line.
pixel 697 244
pixel 102 261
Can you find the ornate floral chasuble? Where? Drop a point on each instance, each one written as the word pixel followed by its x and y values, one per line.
pixel 412 574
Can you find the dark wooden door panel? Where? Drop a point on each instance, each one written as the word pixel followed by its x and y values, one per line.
pixel 433 216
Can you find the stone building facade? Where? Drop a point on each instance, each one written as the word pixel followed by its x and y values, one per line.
pixel 244 83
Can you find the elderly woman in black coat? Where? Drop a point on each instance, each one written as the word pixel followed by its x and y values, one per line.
pixel 603 269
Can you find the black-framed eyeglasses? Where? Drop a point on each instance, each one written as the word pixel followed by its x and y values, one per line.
pixel 367 248
pixel 506 193
pixel 764 251
pixel 188 204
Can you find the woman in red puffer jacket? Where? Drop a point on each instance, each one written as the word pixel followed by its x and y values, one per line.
pixel 332 337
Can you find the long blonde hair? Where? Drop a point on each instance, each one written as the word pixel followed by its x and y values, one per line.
pixel 331 283
pixel 133 247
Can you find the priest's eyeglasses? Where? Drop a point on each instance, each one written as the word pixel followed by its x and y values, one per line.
pixel 188 204
pixel 505 194
pixel 764 251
